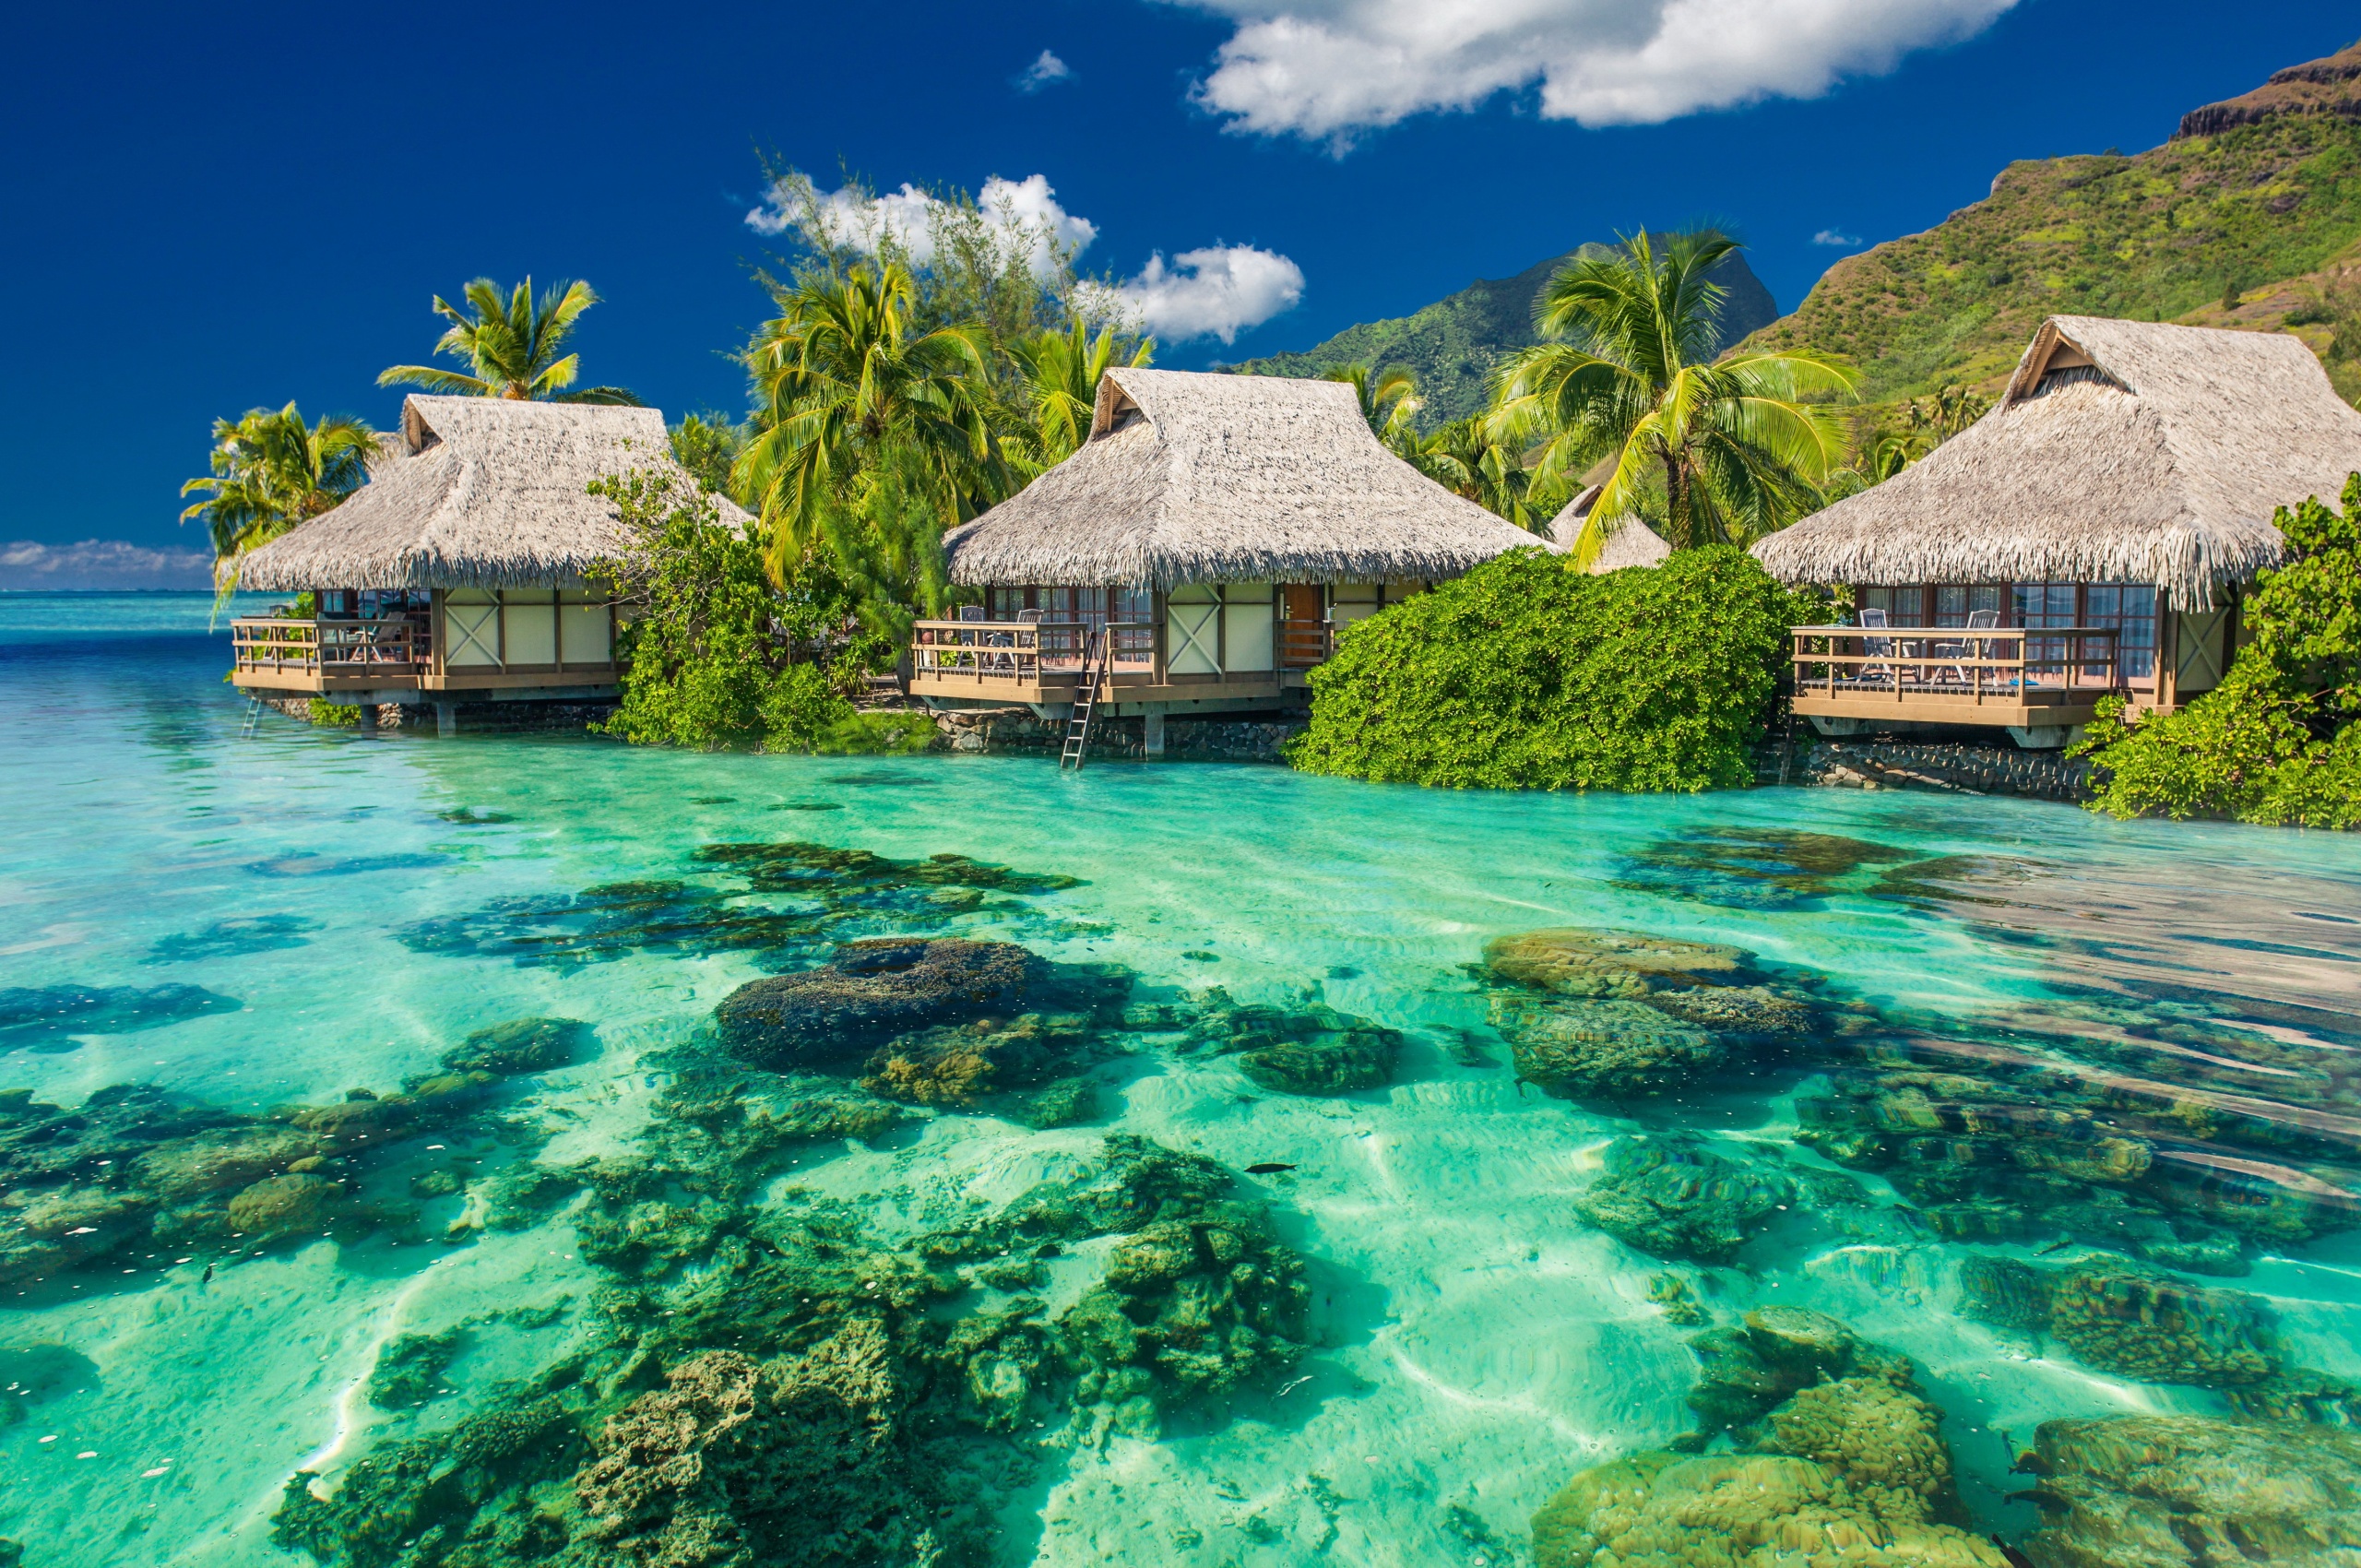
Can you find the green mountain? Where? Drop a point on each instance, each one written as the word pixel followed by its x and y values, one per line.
pixel 1451 345
pixel 2230 223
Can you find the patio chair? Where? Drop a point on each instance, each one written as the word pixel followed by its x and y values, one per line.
pixel 1968 647
pixel 1875 647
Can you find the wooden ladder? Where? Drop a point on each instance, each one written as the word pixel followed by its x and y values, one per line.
pixel 1095 653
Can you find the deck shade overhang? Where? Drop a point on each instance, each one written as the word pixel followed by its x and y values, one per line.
pixel 477 493
pixel 2121 452
pixel 1192 476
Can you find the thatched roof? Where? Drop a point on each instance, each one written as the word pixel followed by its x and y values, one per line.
pixel 474 492
pixel 2122 451
pixel 1200 478
pixel 1633 543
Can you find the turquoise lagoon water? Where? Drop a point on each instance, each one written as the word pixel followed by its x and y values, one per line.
pixel 1473 1341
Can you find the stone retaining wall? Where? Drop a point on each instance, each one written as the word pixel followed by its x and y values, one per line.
pixel 476 718
pixel 1978 770
pixel 1016 730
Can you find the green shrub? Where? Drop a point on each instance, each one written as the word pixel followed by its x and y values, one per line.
pixel 2276 742
pixel 1525 675
pixel 333 715
pixel 717 657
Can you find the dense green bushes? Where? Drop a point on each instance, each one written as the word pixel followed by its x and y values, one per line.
pixel 713 647
pixel 2277 741
pixel 1527 675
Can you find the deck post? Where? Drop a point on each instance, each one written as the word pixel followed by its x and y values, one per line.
pixel 1152 729
pixel 368 715
pixel 447 719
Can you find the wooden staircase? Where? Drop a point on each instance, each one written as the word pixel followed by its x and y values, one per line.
pixel 1096 650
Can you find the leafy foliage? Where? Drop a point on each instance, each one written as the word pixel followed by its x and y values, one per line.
pixel 511 346
pixel 1453 346
pixel 2277 741
pixel 713 649
pixel 1528 674
pixel 1731 445
pixel 271 472
pixel 708 446
pixel 2151 237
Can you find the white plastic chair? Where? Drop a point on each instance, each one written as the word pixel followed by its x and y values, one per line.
pixel 1875 647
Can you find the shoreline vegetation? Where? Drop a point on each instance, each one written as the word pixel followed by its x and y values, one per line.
pixel 909 381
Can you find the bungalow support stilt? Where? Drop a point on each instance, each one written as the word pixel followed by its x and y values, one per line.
pixel 447 719
pixel 1152 729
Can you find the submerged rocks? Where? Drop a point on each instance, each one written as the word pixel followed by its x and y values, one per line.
pixel 2190 1492
pixel 1841 1464
pixel 523 1045
pixel 871 991
pixel 1672 1198
pixel 1311 1049
pixel 55 1017
pixel 1608 1050
pixel 1614 1015
pixel 2119 1318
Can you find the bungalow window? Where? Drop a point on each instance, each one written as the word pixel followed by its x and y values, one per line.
pixel 1956 602
pixel 2131 608
pixel 1903 605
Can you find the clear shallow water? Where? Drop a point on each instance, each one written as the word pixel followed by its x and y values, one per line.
pixel 1474 1339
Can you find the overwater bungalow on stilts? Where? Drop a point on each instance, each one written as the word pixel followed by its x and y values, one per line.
pixel 1198 553
pixel 2092 535
pixel 456 575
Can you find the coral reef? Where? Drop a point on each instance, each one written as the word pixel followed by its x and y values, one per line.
pixel 1841 1464
pixel 1756 868
pixel 1602 1050
pixel 2119 1317
pixel 56 1017
pixel 1672 1198
pixel 409 1368
pixel 2190 1492
pixel 1311 1050
pixel 1575 962
pixel 233 938
pixel 523 1045
pixel 835 890
pixel 872 991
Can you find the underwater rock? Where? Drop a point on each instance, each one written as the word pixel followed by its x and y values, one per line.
pixel 1747 1371
pixel 1188 1307
pixel 411 1366
pixel 1745 1010
pixel 1062 1103
pixel 282 1206
pixel 787 1462
pixel 1671 1198
pixel 795 867
pixel 2119 1318
pixel 220 1160
pixel 34 1374
pixel 1575 962
pixel 1757 868
pixel 523 1045
pixel 566 932
pixel 55 1017
pixel 1673 1298
pixel 233 938
pixel 2190 1492
pixel 1602 1049
pixel 871 991
pixel 1311 1050
pixel 964 1066
pixel 1840 1463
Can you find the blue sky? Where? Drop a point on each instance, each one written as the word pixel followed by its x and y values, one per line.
pixel 215 208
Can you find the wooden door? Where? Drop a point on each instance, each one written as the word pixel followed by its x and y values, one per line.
pixel 1303 637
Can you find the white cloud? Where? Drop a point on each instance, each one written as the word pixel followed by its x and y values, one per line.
pixel 1024 213
pixel 1047 70
pixel 1325 69
pixel 1830 237
pixel 101 563
pixel 1215 292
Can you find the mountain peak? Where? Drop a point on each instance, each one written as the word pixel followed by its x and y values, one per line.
pixel 2329 86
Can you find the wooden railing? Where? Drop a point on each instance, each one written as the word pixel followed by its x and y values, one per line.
pixel 328 647
pixel 2016 664
pixel 1024 651
pixel 1302 644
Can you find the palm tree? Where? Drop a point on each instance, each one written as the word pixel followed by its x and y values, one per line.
pixel 840 376
pixel 1466 461
pixel 1060 373
pixel 511 346
pixel 1630 387
pixel 1389 401
pixel 271 472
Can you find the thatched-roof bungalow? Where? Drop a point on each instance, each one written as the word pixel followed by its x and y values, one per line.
pixel 1211 535
pixel 1633 543
pixel 2116 500
pixel 456 572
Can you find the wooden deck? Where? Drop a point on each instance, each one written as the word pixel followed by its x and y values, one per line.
pixel 2004 676
pixel 1040 664
pixel 271 654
